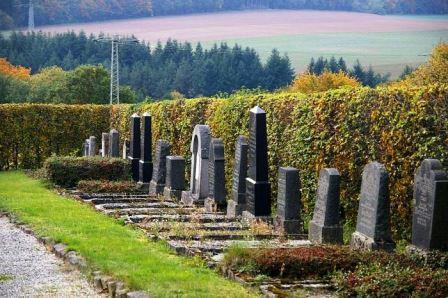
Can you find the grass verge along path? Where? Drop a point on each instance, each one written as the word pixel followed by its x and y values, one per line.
pixel 114 249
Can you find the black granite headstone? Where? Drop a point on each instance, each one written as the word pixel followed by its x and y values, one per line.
pixel 175 177
pixel 145 164
pixel 325 226
pixel 157 183
pixel 258 189
pixel 135 146
pixel 430 220
pixel 288 219
pixel 237 204
pixel 114 144
pixel 373 222
pixel 216 177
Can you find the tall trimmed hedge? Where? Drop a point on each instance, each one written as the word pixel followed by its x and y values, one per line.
pixel 344 129
pixel 29 133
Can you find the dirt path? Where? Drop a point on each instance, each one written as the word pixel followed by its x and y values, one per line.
pixel 27 269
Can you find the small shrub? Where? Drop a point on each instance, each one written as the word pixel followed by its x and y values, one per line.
pixel 68 171
pixel 104 186
pixel 309 83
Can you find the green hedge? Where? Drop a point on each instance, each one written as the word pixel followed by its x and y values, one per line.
pixel 68 171
pixel 344 129
pixel 29 133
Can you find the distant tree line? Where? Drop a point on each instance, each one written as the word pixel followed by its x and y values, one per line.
pixel 13 14
pixel 366 76
pixel 155 73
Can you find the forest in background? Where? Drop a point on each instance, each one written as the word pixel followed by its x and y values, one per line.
pixel 14 13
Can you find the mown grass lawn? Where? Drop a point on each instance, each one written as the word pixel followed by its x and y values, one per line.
pixel 110 247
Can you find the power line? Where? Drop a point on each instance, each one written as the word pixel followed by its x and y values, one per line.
pixel 115 41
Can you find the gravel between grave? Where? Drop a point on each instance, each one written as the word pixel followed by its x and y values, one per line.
pixel 29 270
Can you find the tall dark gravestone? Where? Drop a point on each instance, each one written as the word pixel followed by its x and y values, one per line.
pixel 135 147
pixel 105 144
pixel 325 226
pixel 430 219
pixel 146 166
pixel 373 222
pixel 216 177
pixel 114 143
pixel 258 189
pixel 288 221
pixel 157 183
pixel 200 151
pixel 237 204
pixel 175 177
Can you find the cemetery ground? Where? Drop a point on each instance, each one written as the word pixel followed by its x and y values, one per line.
pixel 125 253
pixel 108 246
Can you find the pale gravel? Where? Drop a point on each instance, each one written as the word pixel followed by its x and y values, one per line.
pixel 33 271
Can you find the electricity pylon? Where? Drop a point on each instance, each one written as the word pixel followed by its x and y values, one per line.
pixel 115 41
pixel 30 6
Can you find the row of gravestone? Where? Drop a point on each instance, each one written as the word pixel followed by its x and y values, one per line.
pixel 251 192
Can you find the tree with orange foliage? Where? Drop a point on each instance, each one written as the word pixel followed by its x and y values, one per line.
pixel 10 70
pixel 309 83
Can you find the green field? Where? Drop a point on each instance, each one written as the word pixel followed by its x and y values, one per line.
pixel 387 52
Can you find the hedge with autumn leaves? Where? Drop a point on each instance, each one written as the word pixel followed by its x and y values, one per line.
pixel 344 129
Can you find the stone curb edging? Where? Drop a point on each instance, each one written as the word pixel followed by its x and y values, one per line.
pixel 102 283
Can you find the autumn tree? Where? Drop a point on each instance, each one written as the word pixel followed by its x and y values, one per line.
pixel 309 83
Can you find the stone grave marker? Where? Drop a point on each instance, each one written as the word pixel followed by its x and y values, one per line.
pixel 92 146
pixel 135 147
pixel 288 221
pixel 216 177
pixel 86 148
pixel 325 226
pixel 237 204
pixel 125 150
pixel 114 143
pixel 105 142
pixel 430 219
pixel 157 183
pixel 200 149
pixel 175 177
pixel 373 222
pixel 258 188
pixel 145 164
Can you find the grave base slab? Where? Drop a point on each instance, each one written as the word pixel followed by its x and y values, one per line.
pixel 155 188
pixel 172 194
pixel 234 209
pixel 325 234
pixel 211 205
pixel 287 227
pixel 361 242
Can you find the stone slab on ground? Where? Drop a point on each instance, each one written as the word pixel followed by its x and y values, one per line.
pixel 29 270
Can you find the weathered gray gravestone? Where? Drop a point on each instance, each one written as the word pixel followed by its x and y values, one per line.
pixel 430 219
pixel 105 144
pixel 157 183
pixel 92 146
pixel 145 164
pixel 175 177
pixel 288 219
pixel 125 150
pixel 373 222
pixel 200 149
pixel 258 188
pixel 114 143
pixel 216 177
pixel 237 204
pixel 86 148
pixel 325 226
pixel 135 146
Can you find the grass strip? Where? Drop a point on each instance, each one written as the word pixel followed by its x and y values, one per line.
pixel 120 251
